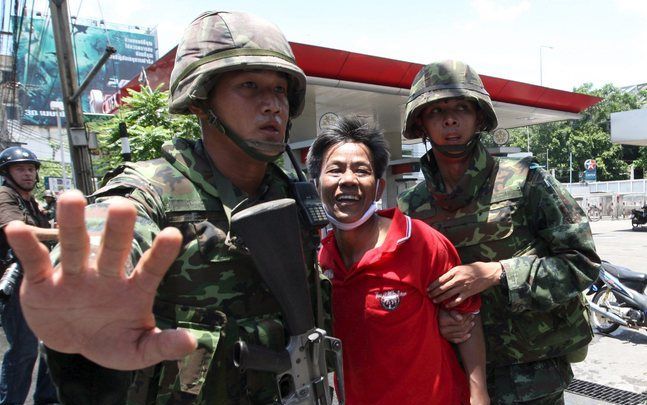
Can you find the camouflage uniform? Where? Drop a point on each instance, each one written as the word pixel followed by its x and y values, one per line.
pixel 212 288
pixel 513 212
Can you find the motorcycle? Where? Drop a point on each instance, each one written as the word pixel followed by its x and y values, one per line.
pixel 638 218
pixel 620 299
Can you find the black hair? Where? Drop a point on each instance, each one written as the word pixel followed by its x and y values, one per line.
pixel 349 129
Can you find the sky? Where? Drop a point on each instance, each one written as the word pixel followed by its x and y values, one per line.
pixel 579 41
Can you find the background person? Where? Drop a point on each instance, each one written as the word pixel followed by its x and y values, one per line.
pixel 380 264
pixel 525 243
pixel 101 306
pixel 50 205
pixel 19 168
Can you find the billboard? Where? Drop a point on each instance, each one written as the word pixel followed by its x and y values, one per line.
pixel 37 66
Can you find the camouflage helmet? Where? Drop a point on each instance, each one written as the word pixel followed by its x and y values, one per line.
pixel 49 193
pixel 444 80
pixel 217 42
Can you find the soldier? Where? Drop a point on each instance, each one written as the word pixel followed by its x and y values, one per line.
pixel 19 168
pixel 525 244
pixel 50 205
pixel 110 303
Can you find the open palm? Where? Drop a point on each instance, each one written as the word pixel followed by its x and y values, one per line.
pixel 87 304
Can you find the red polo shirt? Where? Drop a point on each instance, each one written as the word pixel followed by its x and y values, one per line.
pixel 393 351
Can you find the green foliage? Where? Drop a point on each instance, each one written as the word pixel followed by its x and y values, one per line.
pixel 149 125
pixel 588 138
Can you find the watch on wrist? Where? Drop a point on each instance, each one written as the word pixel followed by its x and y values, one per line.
pixel 503 280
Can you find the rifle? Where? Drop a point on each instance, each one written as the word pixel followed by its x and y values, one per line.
pixel 270 233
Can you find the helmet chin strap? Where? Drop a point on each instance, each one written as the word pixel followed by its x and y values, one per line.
pixel 456 151
pixel 260 150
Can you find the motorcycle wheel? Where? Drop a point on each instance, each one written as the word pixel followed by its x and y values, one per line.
pixel 601 323
pixel 634 223
pixel 594 214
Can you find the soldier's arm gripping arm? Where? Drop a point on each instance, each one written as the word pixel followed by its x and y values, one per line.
pixel 562 260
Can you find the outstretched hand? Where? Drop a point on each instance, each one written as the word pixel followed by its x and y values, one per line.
pixel 87 304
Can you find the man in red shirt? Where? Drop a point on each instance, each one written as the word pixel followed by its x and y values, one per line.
pixel 380 264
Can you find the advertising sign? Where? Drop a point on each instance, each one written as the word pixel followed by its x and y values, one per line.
pixel 590 170
pixel 57 185
pixel 37 66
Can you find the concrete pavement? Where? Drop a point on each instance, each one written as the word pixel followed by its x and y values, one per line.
pixel 618 360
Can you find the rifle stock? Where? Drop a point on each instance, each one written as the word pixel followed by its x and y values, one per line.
pixel 270 232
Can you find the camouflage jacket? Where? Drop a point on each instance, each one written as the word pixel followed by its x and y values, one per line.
pixel 212 288
pixel 512 211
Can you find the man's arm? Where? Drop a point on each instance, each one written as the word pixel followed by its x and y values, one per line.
pixel 472 353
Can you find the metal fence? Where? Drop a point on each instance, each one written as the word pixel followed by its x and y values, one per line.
pixel 612 198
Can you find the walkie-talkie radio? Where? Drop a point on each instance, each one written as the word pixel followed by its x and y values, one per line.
pixel 306 197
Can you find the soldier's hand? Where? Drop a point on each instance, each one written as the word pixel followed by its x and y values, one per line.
pixel 454 326
pixel 87 304
pixel 461 282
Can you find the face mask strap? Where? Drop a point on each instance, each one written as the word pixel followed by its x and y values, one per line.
pixel 349 226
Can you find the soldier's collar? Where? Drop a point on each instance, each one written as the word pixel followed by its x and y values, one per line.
pixel 480 167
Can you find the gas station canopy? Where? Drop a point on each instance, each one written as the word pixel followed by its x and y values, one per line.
pixel 342 82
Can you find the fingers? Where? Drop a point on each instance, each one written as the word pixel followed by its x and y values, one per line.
pixel 156 260
pixel 453 329
pixel 459 338
pixel 457 333
pixel 116 241
pixel 168 344
pixel 447 292
pixel 456 301
pixel 73 235
pixel 33 256
pixel 441 284
pixel 457 316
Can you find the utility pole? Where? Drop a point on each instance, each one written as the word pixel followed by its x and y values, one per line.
pixel 570 167
pixel 58 107
pixel 77 136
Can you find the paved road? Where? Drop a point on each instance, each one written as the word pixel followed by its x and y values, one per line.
pixel 618 360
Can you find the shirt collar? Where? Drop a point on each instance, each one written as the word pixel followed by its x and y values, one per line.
pixel 480 168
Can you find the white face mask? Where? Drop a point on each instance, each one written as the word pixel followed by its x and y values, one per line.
pixel 348 226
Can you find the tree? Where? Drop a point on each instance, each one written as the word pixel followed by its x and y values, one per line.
pixel 149 125
pixel 587 138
